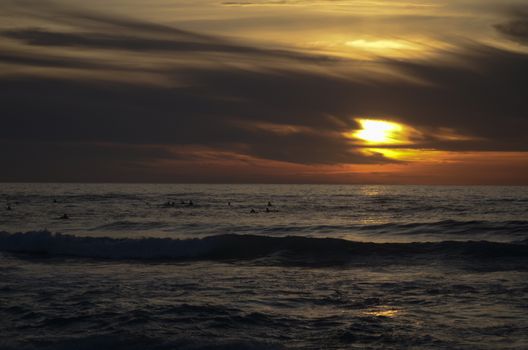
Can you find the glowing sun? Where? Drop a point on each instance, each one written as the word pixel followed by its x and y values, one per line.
pixel 379 132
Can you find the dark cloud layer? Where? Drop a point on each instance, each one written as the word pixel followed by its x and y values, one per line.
pixel 516 28
pixel 21 58
pixel 477 90
pixel 42 37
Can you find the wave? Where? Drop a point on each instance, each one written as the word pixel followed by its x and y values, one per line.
pixel 237 247
pixel 130 341
pixel 130 225
pixel 455 227
pixel 515 229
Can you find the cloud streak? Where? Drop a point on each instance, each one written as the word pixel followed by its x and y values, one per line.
pixel 269 103
pixel 101 41
pixel 517 28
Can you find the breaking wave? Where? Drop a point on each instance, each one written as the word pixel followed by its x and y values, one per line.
pixel 236 247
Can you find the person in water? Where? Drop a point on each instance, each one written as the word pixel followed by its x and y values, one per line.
pixel 269 204
pixel 9 207
pixel 190 203
pixel 267 210
pixel 252 211
pixel 64 217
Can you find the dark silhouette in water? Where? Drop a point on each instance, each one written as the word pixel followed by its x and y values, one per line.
pixel 9 207
pixel 54 201
pixel 64 217
pixel 190 204
pixel 252 211
pixel 269 204
pixel 229 203
pixel 267 210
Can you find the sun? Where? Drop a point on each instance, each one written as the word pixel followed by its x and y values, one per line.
pixel 379 132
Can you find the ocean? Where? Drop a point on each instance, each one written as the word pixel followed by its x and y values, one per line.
pixel 136 266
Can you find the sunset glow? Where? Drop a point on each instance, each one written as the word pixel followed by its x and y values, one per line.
pixel 379 132
pixel 150 91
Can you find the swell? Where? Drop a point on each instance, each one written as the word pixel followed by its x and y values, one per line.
pixel 130 225
pixel 518 228
pixel 456 227
pixel 236 247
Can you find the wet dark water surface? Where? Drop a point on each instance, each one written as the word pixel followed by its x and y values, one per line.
pixel 328 267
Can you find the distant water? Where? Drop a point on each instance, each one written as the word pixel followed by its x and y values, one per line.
pixel 333 267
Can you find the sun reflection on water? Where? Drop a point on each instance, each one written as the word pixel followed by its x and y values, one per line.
pixel 383 312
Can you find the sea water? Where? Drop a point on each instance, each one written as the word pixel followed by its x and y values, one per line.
pixel 135 266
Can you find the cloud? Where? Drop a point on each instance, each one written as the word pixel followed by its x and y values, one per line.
pixel 42 37
pixel 213 93
pixel 350 3
pixel 68 14
pixel 515 29
pixel 25 59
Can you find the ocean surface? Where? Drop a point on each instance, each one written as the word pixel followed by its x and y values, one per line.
pixel 135 266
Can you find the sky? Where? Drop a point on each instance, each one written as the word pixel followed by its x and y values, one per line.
pixel 264 91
